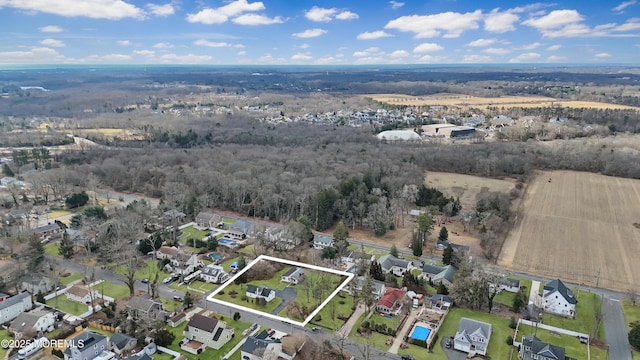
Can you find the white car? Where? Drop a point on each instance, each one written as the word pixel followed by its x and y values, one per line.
pixel 167 280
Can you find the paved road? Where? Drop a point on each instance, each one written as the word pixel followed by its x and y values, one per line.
pixel 615 329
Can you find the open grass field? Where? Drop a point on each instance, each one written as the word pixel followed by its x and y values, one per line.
pixel 466 101
pixel 68 306
pixel 578 227
pixel 467 187
pixel 116 291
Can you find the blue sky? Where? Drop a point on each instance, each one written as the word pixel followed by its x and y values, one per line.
pixel 346 32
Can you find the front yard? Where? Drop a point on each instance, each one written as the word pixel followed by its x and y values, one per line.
pixel 116 291
pixel 66 280
pixel 240 293
pixel 586 309
pixel 572 344
pixel 340 307
pixel 631 312
pixel 192 233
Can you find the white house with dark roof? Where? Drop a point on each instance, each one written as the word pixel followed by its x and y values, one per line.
pixel 14 306
pixel 472 337
pixel 439 274
pixel 81 294
pixel 214 274
pixel 558 299
pixel 355 286
pixel 293 276
pixel 31 324
pixel 202 332
pixel 257 292
pixel 394 265
pixel 321 241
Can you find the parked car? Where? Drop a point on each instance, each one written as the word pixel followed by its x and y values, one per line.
pixel 177 298
pixel 407 357
pixel 167 280
pixel 447 343
pixel 144 281
pixel 316 328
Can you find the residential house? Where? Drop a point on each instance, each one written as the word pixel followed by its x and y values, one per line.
pixel 242 227
pixel 141 356
pixel 558 299
pixel 35 283
pixel 31 324
pixel 472 337
pixel 177 319
pixel 506 284
pixel 206 219
pixel 261 347
pixel 440 302
pixel 185 263
pixel 86 346
pixel 14 306
pixel 390 303
pixel 356 286
pixel 214 274
pixel 358 258
pixel 81 294
pixel 146 308
pixel 393 265
pixel 122 343
pixel 202 332
pixel 293 276
pixel 439 274
pixel 257 292
pixel 321 241
pixel 442 244
pixel 174 215
pixel 48 230
pixel 166 252
pixel 278 237
pixel 533 348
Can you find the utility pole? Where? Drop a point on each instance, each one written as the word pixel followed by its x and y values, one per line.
pixel 598 278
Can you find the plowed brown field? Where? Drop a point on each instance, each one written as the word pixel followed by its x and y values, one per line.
pixel 578 227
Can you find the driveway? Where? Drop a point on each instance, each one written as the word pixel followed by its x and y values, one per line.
pixel 287 295
pixel 615 329
pixel 451 353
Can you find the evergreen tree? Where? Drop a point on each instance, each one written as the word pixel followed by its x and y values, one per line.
pixel 36 253
pixel 442 289
pixel 340 236
pixel 634 335
pixel 444 234
pixel 394 250
pixel 416 245
pixel 447 255
pixel 188 300
pixel 6 170
pixel 375 270
pixel 242 263
pixel 66 246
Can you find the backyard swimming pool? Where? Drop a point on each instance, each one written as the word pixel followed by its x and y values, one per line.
pixel 215 256
pixel 232 244
pixel 420 333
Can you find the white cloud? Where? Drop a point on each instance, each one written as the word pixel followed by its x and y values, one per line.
pixel 481 42
pixel 95 9
pixel 123 42
pixel 319 14
pixel 602 55
pixel 500 22
pixel 555 58
pixel 311 33
pixel 207 43
pixel 372 35
pixel 327 60
pixel 161 10
pixel 554 20
pixel 620 8
pixel 242 53
pixel 428 26
pixel 476 59
pixel 372 51
pixel 220 15
pixel 429 59
pixel 53 43
pixel 269 59
pixel 185 59
pixel 304 46
pixel 396 4
pixel 427 47
pixel 630 25
pixel 554 47
pixel 497 51
pixel 51 29
pixel 144 52
pixel 399 54
pixel 529 46
pixel 301 57
pixel 35 55
pixel 106 59
pixel 526 57
pixel 255 19
pixel 347 15
pixel 163 45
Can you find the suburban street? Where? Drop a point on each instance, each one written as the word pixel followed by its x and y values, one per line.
pixel 615 329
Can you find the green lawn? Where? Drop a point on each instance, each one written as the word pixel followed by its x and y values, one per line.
pixel 418 352
pixel 68 306
pixel 116 291
pixel 239 327
pixel 571 344
pixel 586 309
pixel 506 298
pixel 498 348
pixel 391 322
pixel 170 304
pixel 273 282
pixel 4 335
pixel 226 264
pixel 250 303
pixel 631 312
pixel 228 221
pixel 66 280
pixel 192 233
pixel 52 249
pixel 374 339
pixel 341 307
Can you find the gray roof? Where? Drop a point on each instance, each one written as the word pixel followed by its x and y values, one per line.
pixel 205 216
pixel 377 285
pixel 257 342
pixel 558 285
pixel 439 297
pixel 261 290
pixel 388 261
pixel 293 270
pixel 120 341
pixel 447 272
pixel 139 357
pixel 88 339
pixel 14 300
pixel 213 270
pixel 141 303
pixel 539 347
pixel 26 320
pixel 453 246
pixel 469 326
pixel 323 239
pixel 45 228
pixel 204 323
